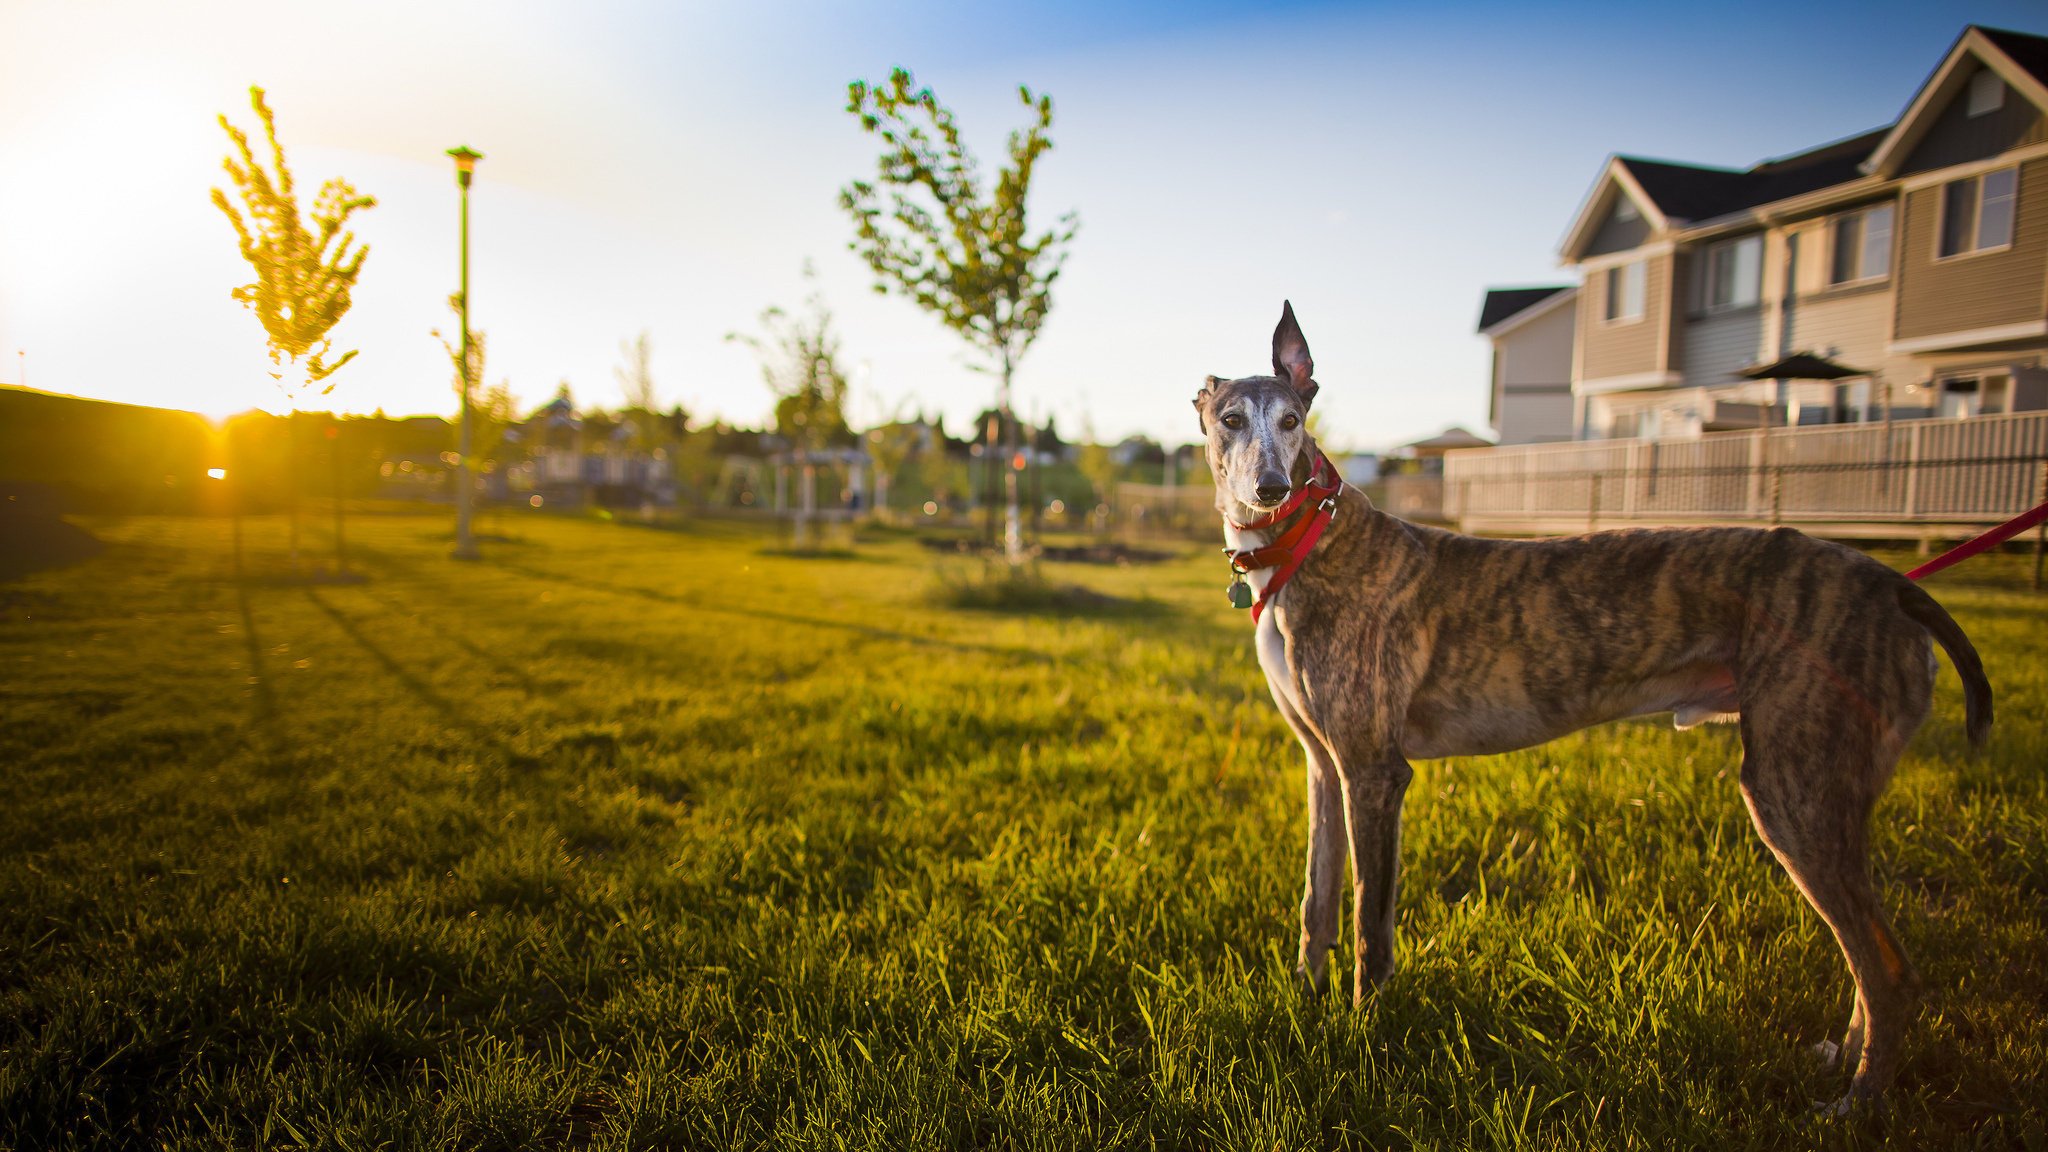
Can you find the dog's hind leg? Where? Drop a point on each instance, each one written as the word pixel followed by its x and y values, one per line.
pixel 1811 801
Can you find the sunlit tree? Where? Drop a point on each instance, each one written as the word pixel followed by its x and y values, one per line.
pixel 929 231
pixel 306 269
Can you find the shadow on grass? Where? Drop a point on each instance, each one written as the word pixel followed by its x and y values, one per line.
pixel 268 738
pixel 794 553
pixel 989 583
pixel 1000 588
pixel 448 710
pixel 698 604
pixel 36 542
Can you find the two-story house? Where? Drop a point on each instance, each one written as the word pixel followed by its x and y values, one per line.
pixel 1917 252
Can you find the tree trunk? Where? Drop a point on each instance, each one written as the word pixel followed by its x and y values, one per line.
pixel 1013 528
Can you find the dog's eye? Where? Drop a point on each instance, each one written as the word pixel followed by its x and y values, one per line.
pixel 1233 421
pixel 1290 422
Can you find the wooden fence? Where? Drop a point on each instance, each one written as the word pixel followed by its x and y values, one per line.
pixel 1925 478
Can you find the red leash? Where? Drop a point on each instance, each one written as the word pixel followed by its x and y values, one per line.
pixel 1988 540
pixel 1291 548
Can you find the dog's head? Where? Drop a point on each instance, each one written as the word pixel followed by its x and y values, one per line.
pixel 1257 427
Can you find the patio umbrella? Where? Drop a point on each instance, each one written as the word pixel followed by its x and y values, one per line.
pixel 1806 366
pixel 1801 366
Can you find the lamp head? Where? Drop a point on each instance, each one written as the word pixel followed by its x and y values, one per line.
pixel 465 163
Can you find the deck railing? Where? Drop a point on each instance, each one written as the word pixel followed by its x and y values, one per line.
pixel 1858 479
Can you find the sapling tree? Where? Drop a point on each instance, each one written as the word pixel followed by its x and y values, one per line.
pixel 306 269
pixel 930 231
pixel 799 358
pixel 653 432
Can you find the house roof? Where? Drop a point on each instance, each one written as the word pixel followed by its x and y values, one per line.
pixel 1501 303
pixel 2027 51
pixel 1689 192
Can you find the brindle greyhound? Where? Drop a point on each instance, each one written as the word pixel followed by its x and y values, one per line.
pixel 1393 641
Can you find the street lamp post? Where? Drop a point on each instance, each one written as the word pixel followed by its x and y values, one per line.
pixel 465 544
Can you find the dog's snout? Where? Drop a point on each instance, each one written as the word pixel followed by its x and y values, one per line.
pixel 1273 488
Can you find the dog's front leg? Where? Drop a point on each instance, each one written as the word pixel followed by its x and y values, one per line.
pixel 1374 786
pixel 1325 869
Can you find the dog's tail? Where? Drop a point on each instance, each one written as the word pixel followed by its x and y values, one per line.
pixel 1976 689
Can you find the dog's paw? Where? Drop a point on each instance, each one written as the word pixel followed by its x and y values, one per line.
pixel 1827 1053
pixel 1314 986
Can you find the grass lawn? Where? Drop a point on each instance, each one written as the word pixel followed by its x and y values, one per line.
pixel 638 838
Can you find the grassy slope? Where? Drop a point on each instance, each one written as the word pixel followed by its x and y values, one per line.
pixel 633 838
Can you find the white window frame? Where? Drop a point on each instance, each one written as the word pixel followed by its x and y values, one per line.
pixel 1620 283
pixel 1862 218
pixel 1976 248
pixel 1710 262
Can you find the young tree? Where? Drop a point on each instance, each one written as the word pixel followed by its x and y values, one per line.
pixel 800 362
pixel 305 272
pixel 1099 467
pixel 889 446
pixel 651 429
pixel 967 257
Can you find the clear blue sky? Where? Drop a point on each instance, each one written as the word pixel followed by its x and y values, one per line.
pixel 670 168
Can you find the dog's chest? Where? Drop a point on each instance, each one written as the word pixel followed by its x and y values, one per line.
pixel 1246 540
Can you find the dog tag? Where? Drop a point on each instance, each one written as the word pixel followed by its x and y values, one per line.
pixel 1240 594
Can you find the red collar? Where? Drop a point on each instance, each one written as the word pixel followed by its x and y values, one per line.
pixel 1291 547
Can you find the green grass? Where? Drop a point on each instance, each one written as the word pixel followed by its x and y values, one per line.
pixel 640 838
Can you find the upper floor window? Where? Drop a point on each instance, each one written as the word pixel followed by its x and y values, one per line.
pixel 1733 273
pixel 1987 93
pixel 1861 245
pixel 1625 292
pixel 1977 211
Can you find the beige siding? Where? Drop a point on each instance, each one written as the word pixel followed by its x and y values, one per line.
pixel 1627 348
pixel 1534 418
pixel 1978 291
pixel 1533 378
pixel 1956 137
pixel 1852 328
pixel 1539 352
pixel 1717 346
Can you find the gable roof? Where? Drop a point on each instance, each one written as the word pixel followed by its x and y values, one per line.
pixel 1690 192
pixel 1503 304
pixel 2019 59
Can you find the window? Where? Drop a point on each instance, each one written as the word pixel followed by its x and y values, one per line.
pixel 1862 245
pixel 1734 273
pixel 1977 212
pixel 1625 292
pixel 1966 396
pixel 1987 93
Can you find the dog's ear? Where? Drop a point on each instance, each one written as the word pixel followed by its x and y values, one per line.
pixel 1202 399
pixel 1291 360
